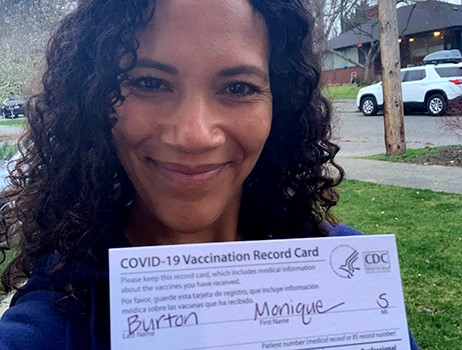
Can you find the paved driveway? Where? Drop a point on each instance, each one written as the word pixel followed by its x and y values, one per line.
pixel 358 135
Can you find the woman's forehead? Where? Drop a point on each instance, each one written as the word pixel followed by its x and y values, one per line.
pixel 183 27
pixel 220 15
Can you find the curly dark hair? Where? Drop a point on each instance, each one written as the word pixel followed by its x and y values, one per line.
pixel 69 192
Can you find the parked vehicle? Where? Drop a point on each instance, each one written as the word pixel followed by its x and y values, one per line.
pixel 429 87
pixel 12 107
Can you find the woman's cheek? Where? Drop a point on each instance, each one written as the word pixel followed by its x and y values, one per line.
pixel 132 123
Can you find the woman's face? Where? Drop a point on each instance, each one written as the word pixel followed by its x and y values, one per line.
pixel 196 117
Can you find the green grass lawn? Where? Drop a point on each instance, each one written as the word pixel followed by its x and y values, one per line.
pixel 13 122
pixel 7 150
pixel 428 228
pixel 334 92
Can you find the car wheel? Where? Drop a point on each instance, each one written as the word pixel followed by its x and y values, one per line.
pixel 436 104
pixel 369 106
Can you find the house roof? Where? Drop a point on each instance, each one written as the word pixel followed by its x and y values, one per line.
pixel 423 16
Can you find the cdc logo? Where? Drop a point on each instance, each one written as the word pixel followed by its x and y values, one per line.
pixel 378 261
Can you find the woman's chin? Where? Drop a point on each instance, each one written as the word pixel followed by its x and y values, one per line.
pixel 195 228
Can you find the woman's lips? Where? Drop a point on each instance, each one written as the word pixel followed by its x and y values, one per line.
pixel 189 175
pixel 189 169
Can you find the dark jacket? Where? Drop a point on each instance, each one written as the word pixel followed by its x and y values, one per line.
pixel 40 319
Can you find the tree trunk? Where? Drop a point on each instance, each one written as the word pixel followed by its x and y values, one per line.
pixel 395 142
pixel 366 72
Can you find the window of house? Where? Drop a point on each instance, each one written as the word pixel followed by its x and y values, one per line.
pixel 419 47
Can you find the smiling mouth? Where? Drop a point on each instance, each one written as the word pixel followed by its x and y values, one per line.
pixel 189 174
pixel 188 169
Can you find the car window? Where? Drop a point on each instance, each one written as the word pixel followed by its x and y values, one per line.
pixel 413 75
pixel 447 72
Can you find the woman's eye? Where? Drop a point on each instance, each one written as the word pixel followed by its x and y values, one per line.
pixel 241 89
pixel 149 84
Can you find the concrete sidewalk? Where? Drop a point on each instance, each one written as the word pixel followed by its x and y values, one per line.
pixel 432 177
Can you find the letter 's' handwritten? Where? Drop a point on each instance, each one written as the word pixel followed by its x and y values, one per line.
pixel 383 302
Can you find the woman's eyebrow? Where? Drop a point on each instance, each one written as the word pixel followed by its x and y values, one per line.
pixel 244 69
pixel 148 63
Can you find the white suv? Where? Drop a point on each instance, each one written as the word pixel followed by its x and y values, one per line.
pixel 427 87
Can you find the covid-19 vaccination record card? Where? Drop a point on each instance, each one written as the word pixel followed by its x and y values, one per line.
pixel 316 293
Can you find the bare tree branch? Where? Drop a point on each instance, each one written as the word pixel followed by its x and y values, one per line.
pixel 25 27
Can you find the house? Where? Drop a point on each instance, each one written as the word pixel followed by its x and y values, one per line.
pixel 423 28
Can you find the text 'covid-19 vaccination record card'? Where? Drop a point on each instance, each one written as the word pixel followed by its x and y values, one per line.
pixel 316 293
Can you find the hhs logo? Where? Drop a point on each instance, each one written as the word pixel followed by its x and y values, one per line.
pixel 378 261
pixel 343 260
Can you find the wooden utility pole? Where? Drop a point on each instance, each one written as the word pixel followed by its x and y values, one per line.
pixel 395 142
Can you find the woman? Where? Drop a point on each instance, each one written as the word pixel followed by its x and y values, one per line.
pixel 175 121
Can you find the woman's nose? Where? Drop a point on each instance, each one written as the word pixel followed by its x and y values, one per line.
pixel 195 126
